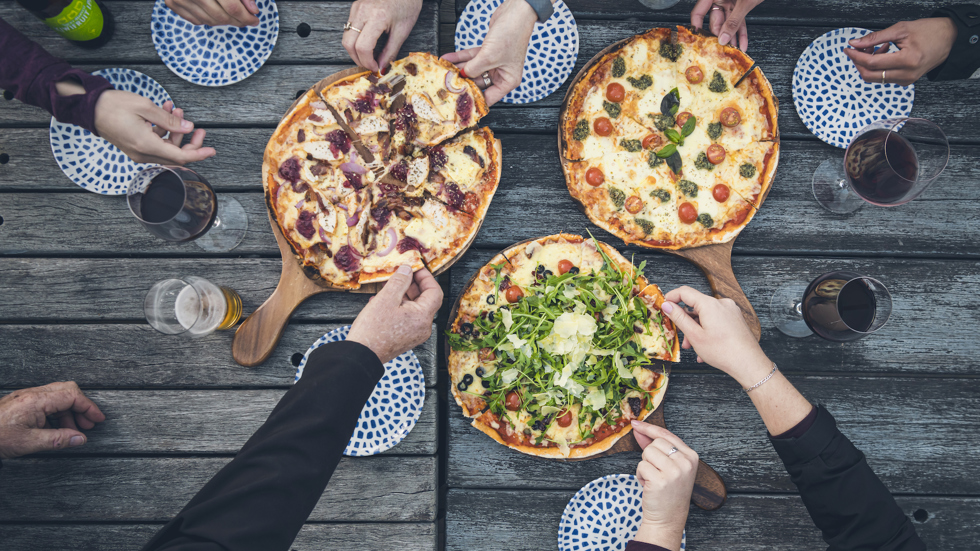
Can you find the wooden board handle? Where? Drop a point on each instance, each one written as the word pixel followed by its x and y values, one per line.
pixel 709 488
pixel 259 334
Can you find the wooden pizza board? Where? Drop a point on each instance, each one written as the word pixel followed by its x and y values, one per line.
pixel 710 492
pixel 256 338
pixel 714 260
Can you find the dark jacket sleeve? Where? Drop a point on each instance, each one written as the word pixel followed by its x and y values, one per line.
pixel 261 499
pixel 30 73
pixel 964 57
pixel 844 497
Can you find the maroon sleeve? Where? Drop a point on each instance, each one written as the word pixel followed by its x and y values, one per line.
pixel 641 546
pixel 801 427
pixel 30 74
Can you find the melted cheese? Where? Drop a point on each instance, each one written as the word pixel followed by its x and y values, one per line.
pixel 460 168
pixel 321 150
pixel 433 228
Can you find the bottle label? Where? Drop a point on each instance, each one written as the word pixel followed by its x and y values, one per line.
pixel 81 20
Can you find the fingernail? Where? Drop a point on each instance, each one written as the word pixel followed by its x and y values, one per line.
pixel 76 441
pixel 405 269
pixel 635 423
pixel 463 72
pixel 186 125
pixel 724 38
pixel 667 307
pixel 385 70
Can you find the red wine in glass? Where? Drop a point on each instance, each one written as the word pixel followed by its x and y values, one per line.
pixel 839 306
pixel 881 167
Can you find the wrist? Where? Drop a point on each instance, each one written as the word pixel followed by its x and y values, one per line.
pixel 69 87
pixel 666 535
pixel 751 370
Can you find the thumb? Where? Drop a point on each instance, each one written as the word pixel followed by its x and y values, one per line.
pixel 480 64
pixel 397 286
pixel 168 121
pixel 891 34
pixel 680 318
pixel 40 440
pixel 733 22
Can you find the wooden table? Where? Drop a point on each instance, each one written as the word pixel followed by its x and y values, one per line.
pixel 74 267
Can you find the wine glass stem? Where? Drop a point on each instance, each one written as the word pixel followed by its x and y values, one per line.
pixel 799 308
pixel 217 222
pixel 842 183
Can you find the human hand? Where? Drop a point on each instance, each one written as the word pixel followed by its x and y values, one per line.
pixel 126 120
pixel 399 317
pixel 503 51
pixel 240 13
pixel 373 18
pixel 668 481
pixel 726 23
pixel 45 418
pixel 923 45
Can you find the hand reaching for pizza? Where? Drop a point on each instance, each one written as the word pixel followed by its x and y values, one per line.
pixel 238 13
pixel 398 318
pixel 45 418
pixel 923 45
pixel 503 51
pixel 667 474
pixel 374 18
pixel 727 22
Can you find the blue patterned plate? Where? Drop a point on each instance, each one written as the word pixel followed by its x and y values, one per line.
pixel 214 56
pixel 392 409
pixel 91 162
pixel 604 515
pixel 831 98
pixel 551 54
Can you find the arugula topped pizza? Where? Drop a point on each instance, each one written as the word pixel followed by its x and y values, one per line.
pixel 555 346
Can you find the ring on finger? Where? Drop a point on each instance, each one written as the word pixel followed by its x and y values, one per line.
pixel 486 79
pixel 349 27
pixel 672 451
pixel 883 77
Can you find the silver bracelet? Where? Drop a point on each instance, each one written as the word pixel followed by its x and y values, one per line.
pixel 760 383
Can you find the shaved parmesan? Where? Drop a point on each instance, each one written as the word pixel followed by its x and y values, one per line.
pixel 620 368
pixel 508 318
pixel 548 410
pixel 596 399
pixel 509 376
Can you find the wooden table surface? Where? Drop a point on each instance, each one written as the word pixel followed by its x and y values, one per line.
pixel 74 268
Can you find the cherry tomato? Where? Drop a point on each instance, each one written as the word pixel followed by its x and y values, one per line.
pixel 720 192
pixel 565 419
pixel 487 355
pixel 681 118
pixel 687 213
pixel 652 141
pixel 615 92
pixel 634 204
pixel 471 202
pixel 513 293
pixel 594 177
pixel 716 153
pixel 741 215
pixel 602 126
pixel 564 266
pixel 730 117
pixel 512 401
pixel 694 74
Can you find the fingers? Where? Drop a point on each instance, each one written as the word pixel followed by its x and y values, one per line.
pixel 653 432
pixel 734 21
pixel 66 396
pixel 397 285
pixel 240 16
pixel 413 291
pixel 189 11
pixel 461 56
pixel 690 296
pixel 688 325
pixel 251 6
pixel 715 20
pixel 877 62
pixel 39 440
pixel 367 39
pixel 430 297
pixel 700 10
pixel 496 93
pixel 168 120
pixel 743 38
pixel 892 34
pixel 642 439
pixel 396 37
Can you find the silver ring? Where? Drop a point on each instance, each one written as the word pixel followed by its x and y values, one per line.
pixel 349 27
pixel 486 79
pixel 672 451
pixel 716 7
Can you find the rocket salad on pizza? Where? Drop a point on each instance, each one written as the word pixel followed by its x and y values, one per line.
pixel 554 346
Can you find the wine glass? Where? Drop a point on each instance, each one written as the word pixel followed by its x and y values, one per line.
pixel 177 204
pixel 191 306
pixel 659 4
pixel 839 306
pixel 889 163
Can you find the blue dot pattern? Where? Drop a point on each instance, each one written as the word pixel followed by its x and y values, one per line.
pixel 91 162
pixel 604 515
pixel 551 54
pixel 831 98
pixel 213 56
pixel 392 409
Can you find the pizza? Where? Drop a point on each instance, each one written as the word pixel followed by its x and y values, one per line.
pixel 374 171
pixel 555 344
pixel 659 146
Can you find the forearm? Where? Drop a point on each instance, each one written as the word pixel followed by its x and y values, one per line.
pixel 261 499
pixel 778 402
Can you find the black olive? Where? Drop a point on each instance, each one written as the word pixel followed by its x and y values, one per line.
pixel 548 273
pixel 573 270
pixel 466 329
pixel 637 328
pixel 468 379
pixel 480 372
pixel 486 384
pixel 491 299
pixel 592 302
pixel 539 425
pixel 635 406
pixel 622 388
pixel 540 268
pixel 491 317
pixel 486 393
pixel 462 385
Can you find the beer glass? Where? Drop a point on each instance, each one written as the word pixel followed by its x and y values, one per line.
pixel 191 306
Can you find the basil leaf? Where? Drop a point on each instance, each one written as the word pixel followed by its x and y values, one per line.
pixel 668 150
pixel 674 162
pixel 688 126
pixel 670 103
pixel 673 135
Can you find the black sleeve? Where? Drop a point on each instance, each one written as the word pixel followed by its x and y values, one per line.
pixel 964 57
pixel 261 499
pixel 844 497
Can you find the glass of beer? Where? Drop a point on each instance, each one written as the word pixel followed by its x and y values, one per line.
pixel 191 306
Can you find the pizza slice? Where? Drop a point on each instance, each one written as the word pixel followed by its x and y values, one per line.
pixel 707 209
pixel 747 170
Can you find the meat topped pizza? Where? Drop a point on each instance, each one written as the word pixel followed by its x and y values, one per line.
pixel 554 345
pixel 373 171
pixel 661 148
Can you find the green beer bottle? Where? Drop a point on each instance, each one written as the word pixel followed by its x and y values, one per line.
pixel 87 23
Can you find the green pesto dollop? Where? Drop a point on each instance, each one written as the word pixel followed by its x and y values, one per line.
pixel 619 67
pixel 642 83
pixel 702 162
pixel 688 188
pixel 746 170
pixel 612 108
pixel 718 83
pixel 645 225
pixel 581 130
pixel 661 194
pixel 617 197
pixel 714 130
pixel 705 220
pixel 631 145
pixel 670 51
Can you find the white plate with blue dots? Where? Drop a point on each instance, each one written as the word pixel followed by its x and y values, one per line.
pixel 392 409
pixel 551 53
pixel 91 162
pixel 832 99
pixel 214 56
pixel 604 515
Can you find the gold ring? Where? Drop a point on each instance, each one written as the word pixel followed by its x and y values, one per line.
pixel 486 79
pixel 349 27
pixel 882 77
pixel 715 7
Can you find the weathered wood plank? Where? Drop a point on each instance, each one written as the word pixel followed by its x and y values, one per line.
pixel 129 355
pixel 917 434
pixel 133 42
pixel 749 522
pixel 945 345
pixel 208 421
pixel 532 201
pixel 375 489
pixel 312 537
